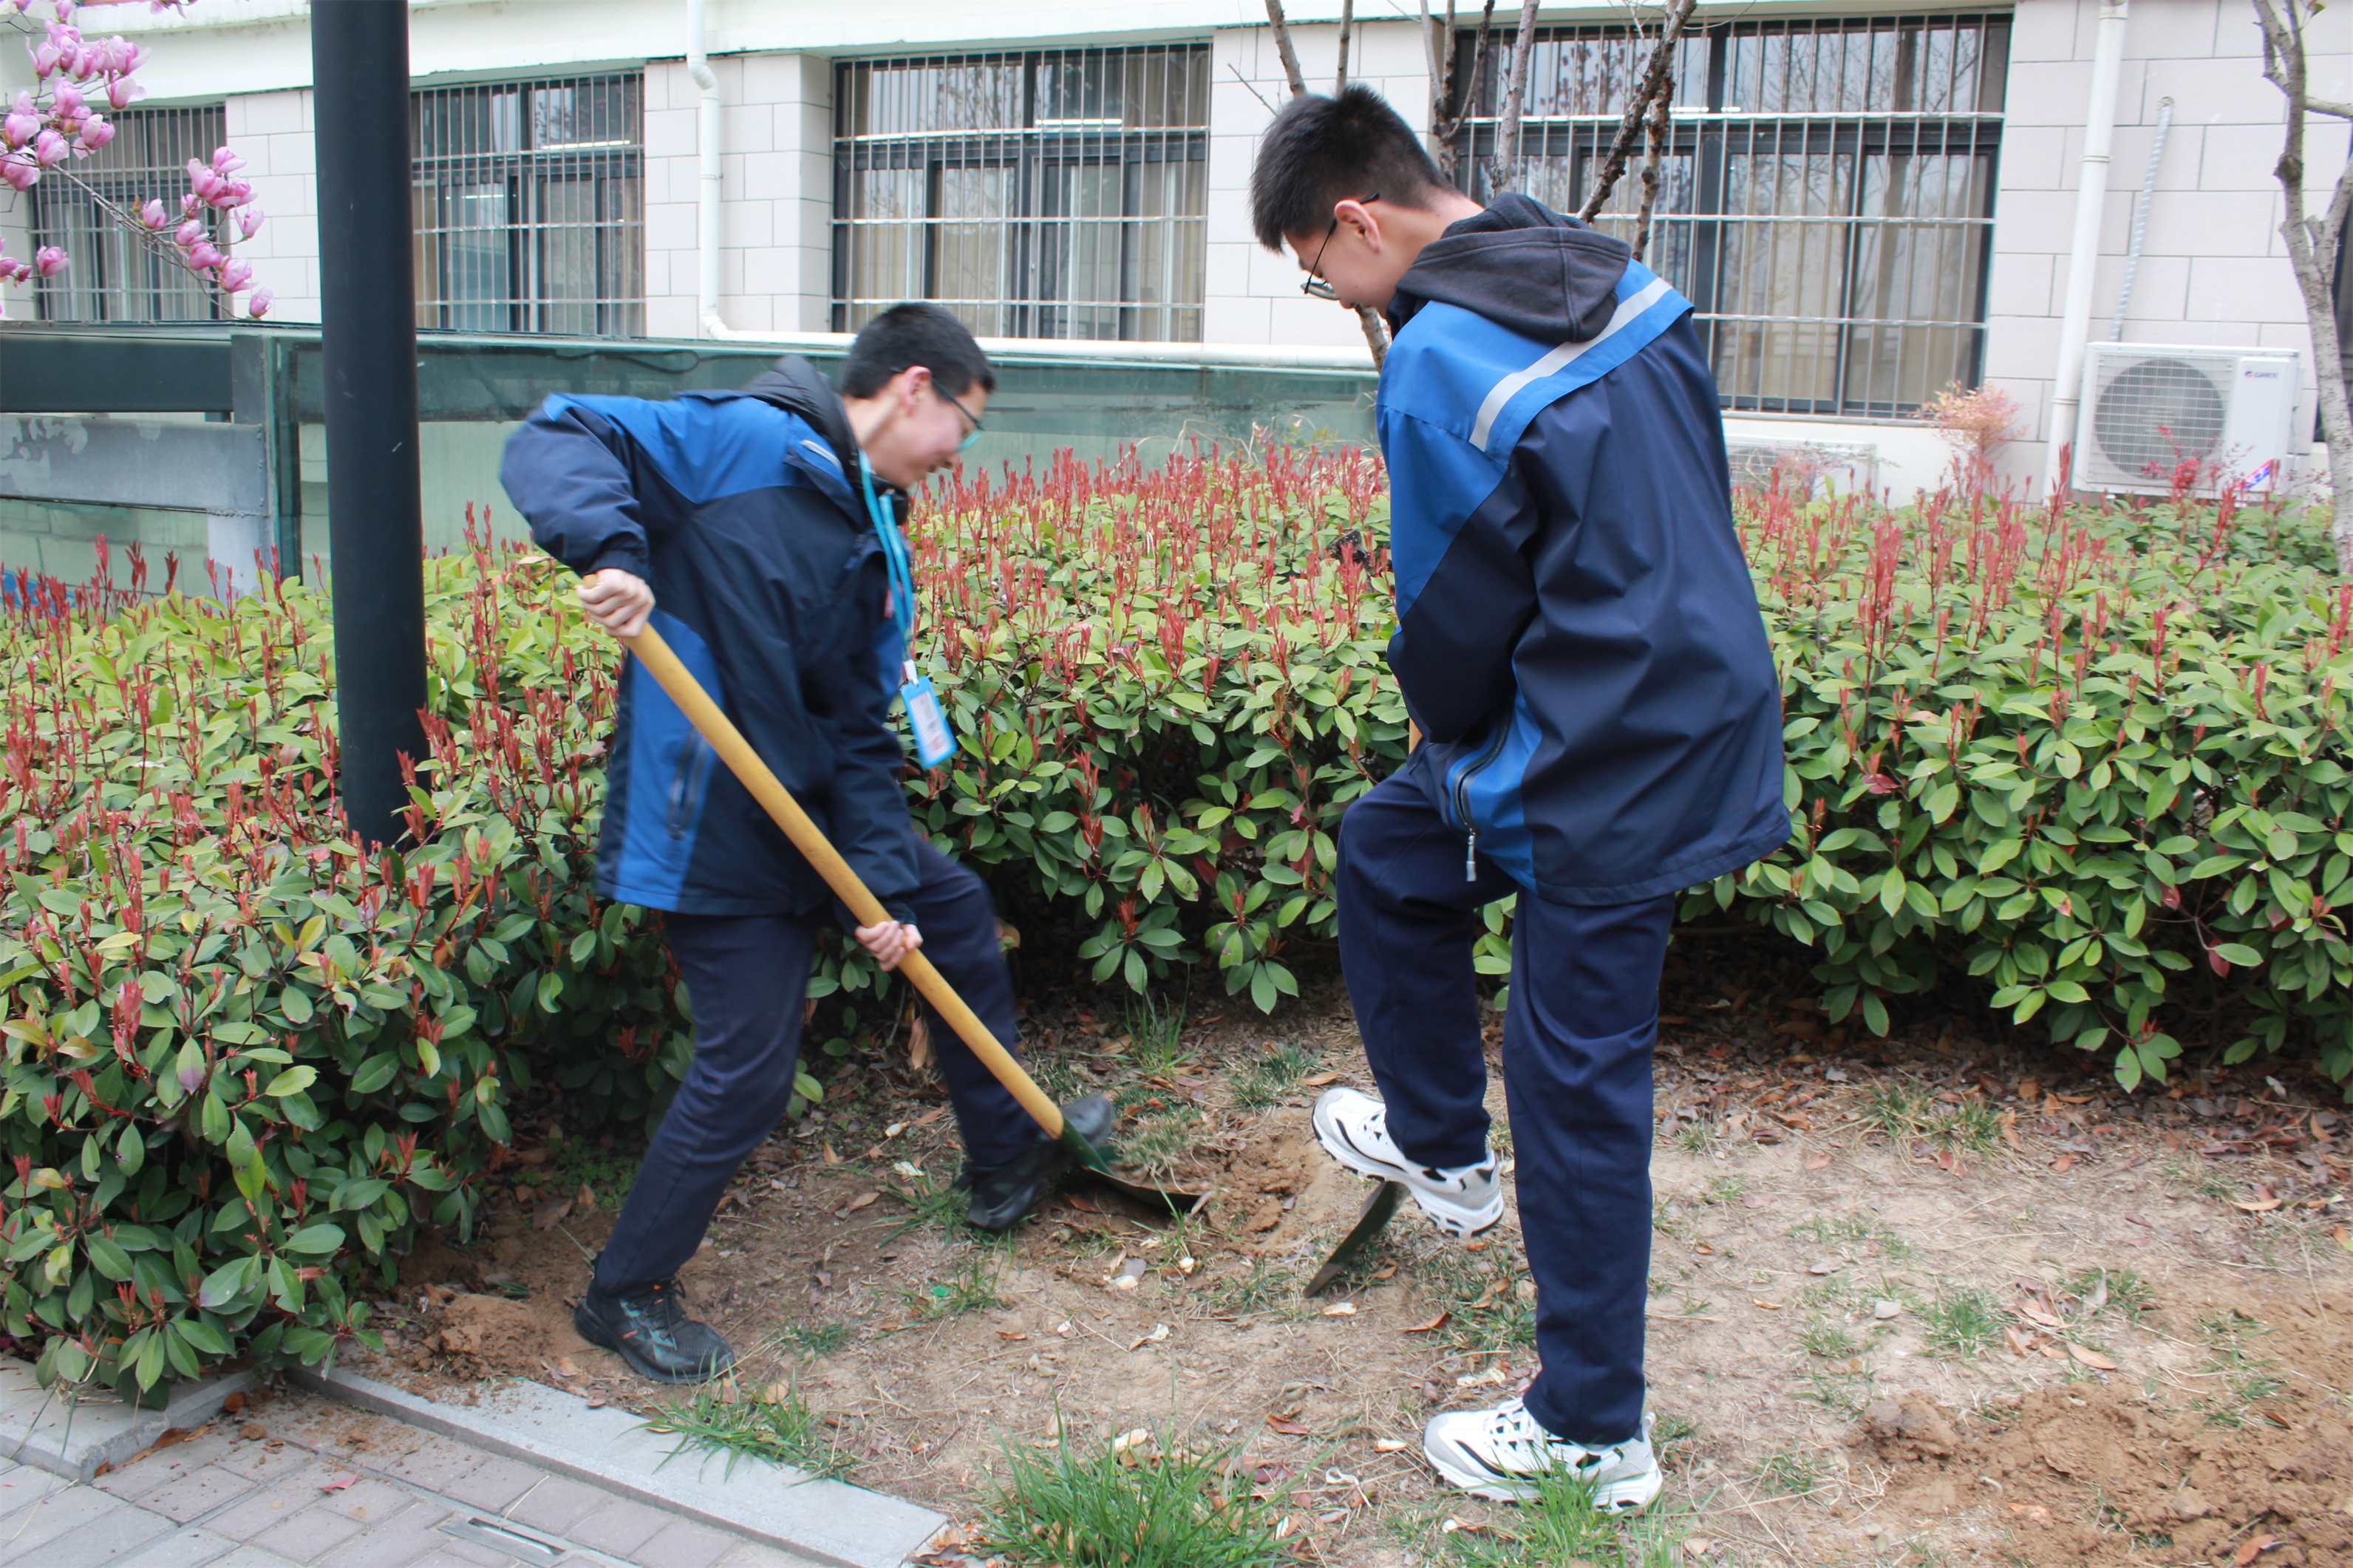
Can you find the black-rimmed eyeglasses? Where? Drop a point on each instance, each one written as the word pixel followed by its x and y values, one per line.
pixel 978 430
pixel 1315 287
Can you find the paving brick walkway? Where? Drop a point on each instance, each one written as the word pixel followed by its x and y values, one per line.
pixel 317 1483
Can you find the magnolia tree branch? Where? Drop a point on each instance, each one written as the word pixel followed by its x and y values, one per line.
pixel 1368 320
pixel 1450 103
pixel 1282 46
pixel 1661 126
pixel 2313 244
pixel 61 118
pixel 1653 86
pixel 1505 173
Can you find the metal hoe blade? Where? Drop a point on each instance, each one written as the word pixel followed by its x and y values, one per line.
pixel 1174 1201
pixel 1370 1223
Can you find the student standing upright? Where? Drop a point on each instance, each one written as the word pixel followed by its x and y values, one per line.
pixel 766 522
pixel 1579 642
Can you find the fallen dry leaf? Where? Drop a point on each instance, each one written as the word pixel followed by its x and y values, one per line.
pixel 2034 1314
pixel 2092 1359
pixel 339 1484
pixel 1319 1080
pixel 860 1201
pixel 831 1157
pixel 2260 1205
pixel 2018 1343
pixel 1341 1310
pixel 551 1214
pixel 2253 1548
pixel 1818 1161
pixel 1005 1334
pixel 1432 1326
pixel 1288 1429
pixel 1770 1306
pixel 1389 1445
pixel 2030 1509
pixel 2064 1164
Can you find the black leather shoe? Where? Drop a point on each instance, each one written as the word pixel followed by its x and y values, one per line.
pixel 650 1331
pixel 1002 1194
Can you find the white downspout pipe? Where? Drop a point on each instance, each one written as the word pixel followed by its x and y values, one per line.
pixel 707 321
pixel 2084 254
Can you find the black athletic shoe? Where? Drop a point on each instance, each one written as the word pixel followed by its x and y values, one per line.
pixel 653 1332
pixel 1002 1194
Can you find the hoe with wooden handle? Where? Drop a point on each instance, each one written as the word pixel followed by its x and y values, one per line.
pixel 719 732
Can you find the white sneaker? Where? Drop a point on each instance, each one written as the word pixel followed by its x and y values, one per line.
pixel 1500 1453
pixel 1354 1130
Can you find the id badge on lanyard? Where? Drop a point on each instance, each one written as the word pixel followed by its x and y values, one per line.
pixel 935 740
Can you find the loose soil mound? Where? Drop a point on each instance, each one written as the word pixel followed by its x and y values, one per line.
pixel 2101 1473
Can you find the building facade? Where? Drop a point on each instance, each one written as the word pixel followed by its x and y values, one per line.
pixel 1868 203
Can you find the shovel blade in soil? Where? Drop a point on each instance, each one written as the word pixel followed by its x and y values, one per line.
pixel 1160 1199
pixel 1370 1223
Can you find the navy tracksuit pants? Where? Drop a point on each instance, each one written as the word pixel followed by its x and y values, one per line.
pixel 1578 1033
pixel 747 977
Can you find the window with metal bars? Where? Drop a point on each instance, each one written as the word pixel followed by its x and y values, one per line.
pixel 115 276
pixel 1826 197
pixel 1043 194
pixel 529 201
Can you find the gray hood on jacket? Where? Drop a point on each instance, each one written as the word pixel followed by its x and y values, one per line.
pixel 1523 266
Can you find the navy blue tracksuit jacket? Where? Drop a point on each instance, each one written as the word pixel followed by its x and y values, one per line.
pixel 741 509
pixel 1578 634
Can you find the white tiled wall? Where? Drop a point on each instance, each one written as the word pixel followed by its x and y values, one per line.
pixel 2213 267
pixel 272 131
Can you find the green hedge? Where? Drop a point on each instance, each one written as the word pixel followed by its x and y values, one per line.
pixel 2096 759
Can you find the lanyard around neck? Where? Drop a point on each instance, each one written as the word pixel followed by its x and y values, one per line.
pixel 894 553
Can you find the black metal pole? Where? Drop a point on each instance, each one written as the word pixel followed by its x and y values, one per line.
pixel 359 63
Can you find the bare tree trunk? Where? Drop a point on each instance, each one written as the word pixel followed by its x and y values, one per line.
pixel 1376 331
pixel 1661 125
pixel 1447 107
pixel 1629 129
pixel 1282 46
pixel 1505 174
pixel 1347 21
pixel 2312 248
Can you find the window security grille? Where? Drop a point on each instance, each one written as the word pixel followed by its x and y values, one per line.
pixel 529 203
pixel 1826 199
pixel 1046 194
pixel 114 277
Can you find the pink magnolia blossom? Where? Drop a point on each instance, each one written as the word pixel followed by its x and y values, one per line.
pixel 49 147
pixel 234 193
pixel 96 133
pixel 44 59
pixel 188 233
pixel 249 222
pixel 188 205
pixel 204 256
pixel 152 214
pixel 259 303
pixel 48 261
pixel 237 275
pixel 22 121
pixel 20 171
pixel 226 161
pixel 67 103
pixel 121 91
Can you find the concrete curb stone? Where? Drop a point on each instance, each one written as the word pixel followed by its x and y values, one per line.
pixel 74 1438
pixel 828 1520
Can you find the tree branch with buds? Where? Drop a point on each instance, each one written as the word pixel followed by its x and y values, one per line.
pixel 58 121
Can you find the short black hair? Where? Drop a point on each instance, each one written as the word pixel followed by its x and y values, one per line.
pixel 1322 150
pixel 916 333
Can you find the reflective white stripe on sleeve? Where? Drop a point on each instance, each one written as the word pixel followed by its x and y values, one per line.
pixel 1632 306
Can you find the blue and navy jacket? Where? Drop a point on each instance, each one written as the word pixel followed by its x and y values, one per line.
pixel 741 510
pixel 1578 634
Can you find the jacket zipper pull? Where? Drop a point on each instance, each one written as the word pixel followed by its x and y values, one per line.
pixel 1470 857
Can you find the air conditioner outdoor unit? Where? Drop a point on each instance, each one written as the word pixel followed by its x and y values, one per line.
pixel 2148 409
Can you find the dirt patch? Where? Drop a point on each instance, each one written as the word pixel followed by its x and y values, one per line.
pixel 1841 1228
pixel 2191 1469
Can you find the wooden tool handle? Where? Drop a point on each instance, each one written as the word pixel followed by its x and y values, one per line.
pixel 716 728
